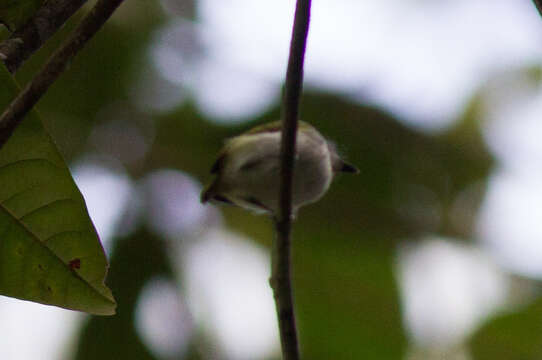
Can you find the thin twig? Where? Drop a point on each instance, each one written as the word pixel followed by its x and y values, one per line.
pixel 35 32
pixel 24 102
pixel 281 278
pixel 538 4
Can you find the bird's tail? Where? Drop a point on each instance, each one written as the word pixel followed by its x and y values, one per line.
pixel 208 193
pixel 348 168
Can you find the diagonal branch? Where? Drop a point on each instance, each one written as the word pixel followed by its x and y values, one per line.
pixel 538 4
pixel 56 65
pixel 32 35
pixel 281 277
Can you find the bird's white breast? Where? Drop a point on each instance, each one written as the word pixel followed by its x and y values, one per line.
pixel 253 170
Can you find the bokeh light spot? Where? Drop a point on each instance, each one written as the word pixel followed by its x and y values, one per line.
pixel 162 319
pixel 228 290
pixel 107 193
pixel 447 289
pixel 173 203
pixel 34 331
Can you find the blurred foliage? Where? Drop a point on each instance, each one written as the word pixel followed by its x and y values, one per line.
pixel 511 336
pixel 14 13
pixel 136 260
pixel 346 296
pixel 50 251
pixel 344 246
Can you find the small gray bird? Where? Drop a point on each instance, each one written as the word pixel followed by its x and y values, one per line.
pixel 248 166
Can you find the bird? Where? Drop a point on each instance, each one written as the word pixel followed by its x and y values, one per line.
pixel 247 169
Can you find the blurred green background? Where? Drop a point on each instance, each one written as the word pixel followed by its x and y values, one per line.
pixel 432 252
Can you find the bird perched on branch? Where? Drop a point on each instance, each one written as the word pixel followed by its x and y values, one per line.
pixel 248 169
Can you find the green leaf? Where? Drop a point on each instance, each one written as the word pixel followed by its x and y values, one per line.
pixel 14 13
pixel 49 250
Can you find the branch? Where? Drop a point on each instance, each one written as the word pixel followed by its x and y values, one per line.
pixel 538 4
pixel 281 278
pixel 32 35
pixel 56 65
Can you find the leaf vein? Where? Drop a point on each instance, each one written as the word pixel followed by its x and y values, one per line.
pixel 18 193
pixel 44 206
pixel 2 167
pixel 60 234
